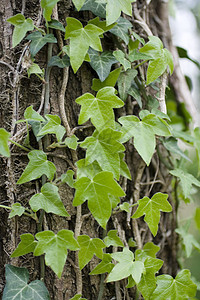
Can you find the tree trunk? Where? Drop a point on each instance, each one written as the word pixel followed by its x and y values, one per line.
pixel 17 93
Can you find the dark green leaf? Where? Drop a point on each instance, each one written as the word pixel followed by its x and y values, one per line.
pixel 55 24
pixel 124 82
pixel 59 62
pixel 98 7
pixel 38 41
pixel 121 29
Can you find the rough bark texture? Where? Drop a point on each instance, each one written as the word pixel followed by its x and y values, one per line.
pixel 17 93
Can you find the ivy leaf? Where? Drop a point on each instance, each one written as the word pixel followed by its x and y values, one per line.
pixel 101 24
pixel 26 245
pixel 48 6
pixel 187 180
pixel 34 69
pixel 48 200
pixel 101 63
pixel 136 94
pixel 78 297
pixel 114 8
pixel 55 24
pixel 80 40
pixel 189 240
pixel 89 247
pixel 55 247
pixel 31 115
pixel 124 170
pixel 98 7
pixel 171 144
pixel 17 210
pixel 96 191
pixel 38 41
pixel 124 82
pixel 109 81
pixel 144 133
pixel 68 178
pixel 180 288
pixel 151 209
pixel 112 239
pixel 104 266
pixel 100 108
pixel 37 166
pixel 71 142
pixel 17 286
pixel 4 137
pixel 85 170
pixel 104 147
pixel 197 217
pixel 59 62
pixel 121 29
pixel 120 56
pixel 53 126
pixel 125 206
pixel 78 3
pixel 22 26
pixel 126 267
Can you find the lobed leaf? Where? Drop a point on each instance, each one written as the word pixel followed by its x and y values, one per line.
pixel 4 137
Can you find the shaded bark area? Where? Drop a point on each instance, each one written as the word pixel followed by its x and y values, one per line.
pixel 17 93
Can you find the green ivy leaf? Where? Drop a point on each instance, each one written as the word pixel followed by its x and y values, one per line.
pixel 98 7
pixel 109 81
pixel 171 144
pixel 101 24
pixel 31 115
pixel 121 29
pixel 189 240
pixel 68 178
pixel 151 209
pixel 17 210
pixel 104 147
pixel 22 26
pixel 197 217
pixel 59 62
pixel 55 247
pixel 100 108
pixel 135 55
pixel 135 93
pixel 37 166
pixel 38 41
pixel 85 170
pixel 53 126
pixel 78 297
pixel 180 288
pixel 104 266
pixel 114 8
pixel 26 245
pixel 112 239
pixel 126 267
pixel 71 142
pixel 124 82
pixel 96 191
pixel 144 133
pixel 4 137
pixel 197 144
pixel 187 180
pixel 125 206
pixel 120 56
pixel 55 24
pixel 101 63
pixel 34 69
pixel 48 200
pixel 80 40
pixel 78 3
pixel 17 286
pixel 48 6
pixel 89 247
pixel 124 170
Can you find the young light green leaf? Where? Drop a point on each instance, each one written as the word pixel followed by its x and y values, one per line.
pixel 4 137
pixel 71 142
pixel 124 82
pixel 112 239
pixel 189 240
pixel 120 56
pixel 98 7
pixel 55 24
pixel 121 29
pixel 38 41
pixel 180 288
pixel 68 178
pixel 89 247
pixel 78 3
pixel 26 245
pixel 80 40
pixel 53 126
pixel 77 297
pixel 34 69
pixel 59 62
pixel 104 147
pixel 31 115
pixel 100 108
pixel 125 206
pixel 48 200
pixel 109 81
pixel 17 210
pixel 153 47
pixel 37 166
pixel 101 63
pixel 17 286
pixel 114 8
pixel 22 26
pixel 126 267
pixel 48 6
pixel 84 170
pixel 55 247
pixel 135 55
pixel 151 209
pixel 101 24
pixel 105 266
pixel 97 192
pixel 187 180
pixel 155 69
